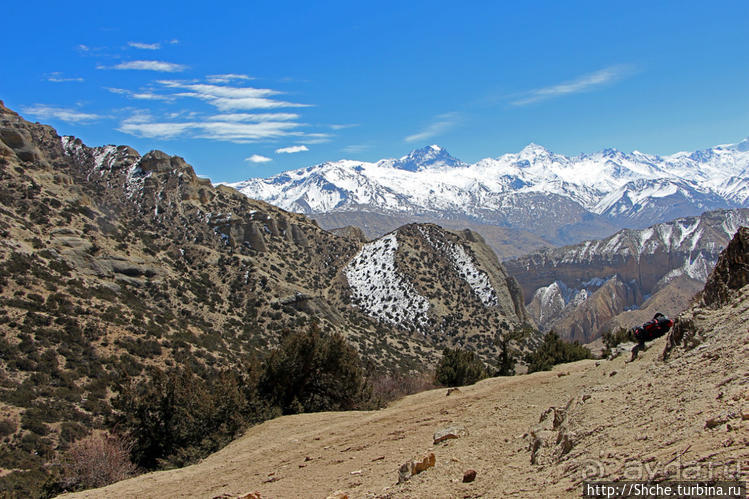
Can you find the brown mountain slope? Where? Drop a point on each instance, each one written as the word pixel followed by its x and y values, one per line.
pixel 684 415
pixel 112 263
pixel 578 290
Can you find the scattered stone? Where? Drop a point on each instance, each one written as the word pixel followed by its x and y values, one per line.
pixel 307 458
pixel 714 422
pixel 411 468
pixel 424 464
pixel 455 431
pixel 338 494
pixel 251 495
pixel 559 375
pixel 379 458
pixel 450 391
pixel 469 476
pixel 357 472
pixel 613 373
pixel 404 472
pixel 745 414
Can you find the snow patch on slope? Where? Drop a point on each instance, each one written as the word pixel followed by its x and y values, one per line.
pixel 463 263
pixel 380 291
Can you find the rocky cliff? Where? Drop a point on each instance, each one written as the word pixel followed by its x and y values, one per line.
pixel 579 290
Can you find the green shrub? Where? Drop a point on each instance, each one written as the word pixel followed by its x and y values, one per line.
pixel 7 427
pixel 178 417
pixel 554 351
pixel 312 371
pixel 459 367
pixel 612 338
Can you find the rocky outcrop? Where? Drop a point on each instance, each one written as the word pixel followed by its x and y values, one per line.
pixel 731 272
pixel 726 284
pixel 557 281
pixel 350 232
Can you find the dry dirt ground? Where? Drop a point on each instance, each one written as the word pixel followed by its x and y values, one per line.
pixel 685 417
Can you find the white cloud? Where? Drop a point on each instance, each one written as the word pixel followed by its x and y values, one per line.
pixel 230 123
pixel 292 149
pixel 226 98
pixel 145 46
pixel 239 117
pixel 227 131
pixel 256 158
pixel 83 48
pixel 166 67
pixel 356 148
pixel 583 83
pixel 316 138
pixel 226 78
pixel 442 124
pixel 344 126
pixel 68 115
pixel 140 95
pixel 57 77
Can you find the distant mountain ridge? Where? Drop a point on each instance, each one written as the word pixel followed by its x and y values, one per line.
pixel 563 199
pixel 578 290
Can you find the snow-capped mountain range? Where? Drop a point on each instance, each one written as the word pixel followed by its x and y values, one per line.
pixel 623 271
pixel 535 189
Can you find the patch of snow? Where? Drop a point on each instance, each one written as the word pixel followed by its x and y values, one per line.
pixel 463 263
pixel 380 290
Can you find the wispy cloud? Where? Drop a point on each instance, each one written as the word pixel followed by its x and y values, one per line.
pixel 344 126
pixel 165 67
pixel 230 123
pixel 292 149
pixel 256 158
pixel 143 95
pixel 240 117
pixel 356 148
pixel 145 46
pixel 441 124
pixel 83 48
pixel 221 130
pixel 583 83
pixel 227 98
pixel 226 78
pixel 57 77
pixel 68 115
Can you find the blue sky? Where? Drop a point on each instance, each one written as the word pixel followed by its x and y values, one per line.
pixel 244 89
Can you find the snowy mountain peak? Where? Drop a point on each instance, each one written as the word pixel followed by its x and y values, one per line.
pixel 432 156
pixel 535 190
pixel 534 149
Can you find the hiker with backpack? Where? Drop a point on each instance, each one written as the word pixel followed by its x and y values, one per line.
pixel 655 328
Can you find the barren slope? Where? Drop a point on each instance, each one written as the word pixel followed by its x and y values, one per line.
pixel 650 418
